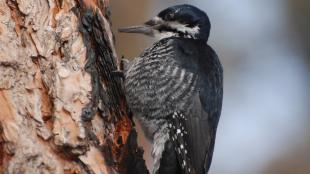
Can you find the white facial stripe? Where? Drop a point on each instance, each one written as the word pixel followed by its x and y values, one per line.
pixel 175 25
pixel 184 29
pixel 162 35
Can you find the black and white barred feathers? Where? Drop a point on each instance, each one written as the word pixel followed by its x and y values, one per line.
pixel 156 77
pixel 176 85
pixel 175 90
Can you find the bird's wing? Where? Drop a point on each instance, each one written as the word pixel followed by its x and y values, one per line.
pixel 201 123
pixel 178 75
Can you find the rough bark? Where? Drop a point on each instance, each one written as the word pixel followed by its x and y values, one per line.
pixel 61 108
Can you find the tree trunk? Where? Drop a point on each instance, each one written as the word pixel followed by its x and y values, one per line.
pixel 62 109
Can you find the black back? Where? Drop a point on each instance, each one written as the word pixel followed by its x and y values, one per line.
pixel 201 122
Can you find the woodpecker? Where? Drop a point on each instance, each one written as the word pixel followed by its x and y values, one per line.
pixel 175 90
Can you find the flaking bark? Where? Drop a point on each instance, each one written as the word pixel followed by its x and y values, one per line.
pixel 61 108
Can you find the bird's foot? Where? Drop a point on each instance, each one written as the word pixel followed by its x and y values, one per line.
pixel 119 74
pixel 125 63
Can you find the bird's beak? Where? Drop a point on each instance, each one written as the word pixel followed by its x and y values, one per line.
pixel 144 29
pixel 148 28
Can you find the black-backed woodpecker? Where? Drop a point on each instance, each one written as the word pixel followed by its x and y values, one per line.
pixel 175 90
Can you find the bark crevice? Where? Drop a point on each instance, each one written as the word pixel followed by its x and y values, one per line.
pixel 61 108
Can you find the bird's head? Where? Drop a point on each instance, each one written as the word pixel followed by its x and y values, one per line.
pixel 184 21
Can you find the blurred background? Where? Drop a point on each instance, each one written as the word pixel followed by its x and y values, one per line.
pixel 265 50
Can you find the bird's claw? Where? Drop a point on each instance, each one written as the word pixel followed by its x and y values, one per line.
pixel 118 73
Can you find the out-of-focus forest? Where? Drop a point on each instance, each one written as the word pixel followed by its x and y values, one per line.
pixel 265 50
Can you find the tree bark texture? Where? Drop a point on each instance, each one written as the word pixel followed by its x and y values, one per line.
pixel 61 108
